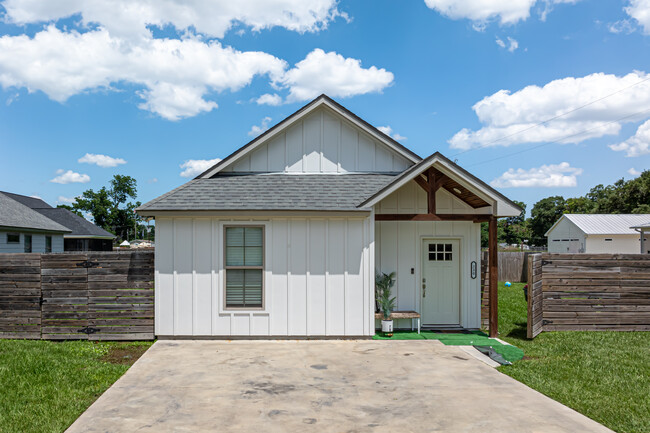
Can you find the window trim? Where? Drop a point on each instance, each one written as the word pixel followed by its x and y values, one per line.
pixel 225 307
pixel 13 233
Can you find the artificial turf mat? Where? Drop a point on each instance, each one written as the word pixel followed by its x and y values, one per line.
pixel 470 338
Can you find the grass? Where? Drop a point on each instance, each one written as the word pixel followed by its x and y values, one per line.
pixel 603 375
pixel 46 385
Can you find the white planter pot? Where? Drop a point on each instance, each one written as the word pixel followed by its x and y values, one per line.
pixel 386 326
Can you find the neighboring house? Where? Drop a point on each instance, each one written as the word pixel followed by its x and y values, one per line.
pixel 644 234
pixel 284 237
pixel 596 233
pixel 23 230
pixel 82 234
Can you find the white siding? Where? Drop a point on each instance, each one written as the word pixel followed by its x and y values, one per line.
pixel 322 142
pixel 317 278
pixel 619 244
pixel 398 249
pixel 566 237
pixel 38 243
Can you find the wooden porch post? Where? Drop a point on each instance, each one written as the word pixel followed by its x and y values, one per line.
pixel 494 277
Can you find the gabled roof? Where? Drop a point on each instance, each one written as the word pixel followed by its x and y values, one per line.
pixel 80 227
pixel 322 100
pixel 271 192
pixel 15 215
pixel 469 185
pixel 605 224
pixel 30 202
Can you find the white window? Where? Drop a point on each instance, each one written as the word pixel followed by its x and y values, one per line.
pixel 244 267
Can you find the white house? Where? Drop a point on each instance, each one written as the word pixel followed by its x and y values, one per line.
pixel 284 236
pixel 596 233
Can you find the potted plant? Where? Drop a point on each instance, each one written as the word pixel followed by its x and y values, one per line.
pixel 384 283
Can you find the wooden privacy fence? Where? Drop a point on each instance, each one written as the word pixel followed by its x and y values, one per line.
pixel 576 292
pixel 89 296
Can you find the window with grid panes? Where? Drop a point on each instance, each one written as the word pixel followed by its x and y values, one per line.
pixel 244 257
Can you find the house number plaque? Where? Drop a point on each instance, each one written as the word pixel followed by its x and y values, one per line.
pixel 473 270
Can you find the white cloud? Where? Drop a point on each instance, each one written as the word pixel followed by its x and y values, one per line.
pixel 333 74
pixel 634 172
pixel 130 18
pixel 512 44
pixel 176 74
pixel 65 177
pixel 153 180
pixel 484 11
pixel 389 131
pixel 546 176
pixel 258 129
pixel 640 11
pixel 638 144
pixel 269 99
pixel 510 118
pixel 621 26
pixel 194 167
pixel 66 200
pixel 101 160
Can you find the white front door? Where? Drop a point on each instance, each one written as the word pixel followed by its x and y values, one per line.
pixel 440 282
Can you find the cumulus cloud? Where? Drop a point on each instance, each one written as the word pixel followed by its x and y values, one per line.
pixel 66 200
pixel 634 172
pixel 640 11
pixel 511 46
pixel 269 99
pixel 546 176
pixel 333 74
pixel 621 26
pixel 483 11
pixel 515 117
pixel 101 160
pixel 131 19
pixel 176 74
pixel 638 144
pixel 194 167
pixel 389 131
pixel 65 177
pixel 258 129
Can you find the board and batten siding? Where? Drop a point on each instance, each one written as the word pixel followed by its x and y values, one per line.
pixel 398 247
pixel 317 278
pixel 321 143
pixel 38 243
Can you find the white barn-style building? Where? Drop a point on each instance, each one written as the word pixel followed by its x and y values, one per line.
pixel 596 233
pixel 284 236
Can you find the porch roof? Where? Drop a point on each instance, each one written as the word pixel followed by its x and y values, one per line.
pixel 458 182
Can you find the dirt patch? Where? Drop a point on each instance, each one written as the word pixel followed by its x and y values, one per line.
pixel 125 355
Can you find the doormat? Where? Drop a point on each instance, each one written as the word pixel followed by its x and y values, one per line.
pixel 471 338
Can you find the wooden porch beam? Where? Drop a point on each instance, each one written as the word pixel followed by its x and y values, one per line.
pixel 431 202
pixel 494 277
pixel 423 183
pixel 431 217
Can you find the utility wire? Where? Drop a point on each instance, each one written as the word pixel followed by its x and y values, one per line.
pixel 561 138
pixel 552 118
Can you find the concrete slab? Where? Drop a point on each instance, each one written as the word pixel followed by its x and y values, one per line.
pixel 337 386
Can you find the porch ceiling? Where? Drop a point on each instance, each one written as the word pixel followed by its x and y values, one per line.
pixel 459 190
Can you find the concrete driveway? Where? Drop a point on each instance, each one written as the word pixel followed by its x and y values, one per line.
pixel 323 386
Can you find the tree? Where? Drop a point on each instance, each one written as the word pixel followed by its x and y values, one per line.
pixel 110 207
pixel 543 215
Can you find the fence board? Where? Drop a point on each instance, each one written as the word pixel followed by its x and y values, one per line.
pixel 20 296
pixel 594 292
pixel 535 296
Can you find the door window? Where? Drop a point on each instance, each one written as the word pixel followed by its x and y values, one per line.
pixel 441 252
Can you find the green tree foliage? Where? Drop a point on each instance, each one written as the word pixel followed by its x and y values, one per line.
pixel 111 208
pixel 543 216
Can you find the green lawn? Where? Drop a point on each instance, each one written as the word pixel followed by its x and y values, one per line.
pixel 45 385
pixel 603 375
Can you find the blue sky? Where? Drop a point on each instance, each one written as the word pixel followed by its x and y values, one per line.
pixel 175 84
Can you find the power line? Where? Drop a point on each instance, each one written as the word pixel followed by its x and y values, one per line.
pixel 560 139
pixel 552 118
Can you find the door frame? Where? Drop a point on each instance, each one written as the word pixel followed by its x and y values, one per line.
pixel 420 273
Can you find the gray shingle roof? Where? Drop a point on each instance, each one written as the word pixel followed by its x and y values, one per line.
pixel 16 215
pixel 79 226
pixel 30 202
pixel 272 192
